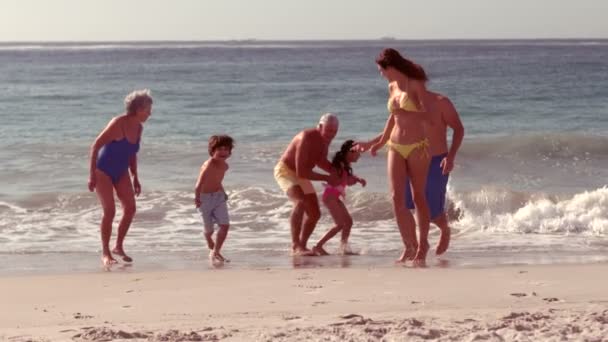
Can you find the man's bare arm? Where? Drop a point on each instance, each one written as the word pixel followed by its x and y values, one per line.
pixel 303 165
pixel 452 119
pixel 324 163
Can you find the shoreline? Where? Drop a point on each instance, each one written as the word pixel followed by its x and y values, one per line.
pixel 513 302
pixel 62 263
pixel 80 263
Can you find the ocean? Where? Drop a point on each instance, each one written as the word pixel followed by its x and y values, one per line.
pixel 530 184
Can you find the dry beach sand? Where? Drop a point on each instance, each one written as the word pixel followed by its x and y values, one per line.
pixel 523 303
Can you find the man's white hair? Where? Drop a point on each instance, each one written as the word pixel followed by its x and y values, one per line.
pixel 329 118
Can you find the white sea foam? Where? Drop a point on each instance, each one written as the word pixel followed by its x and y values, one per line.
pixel 167 220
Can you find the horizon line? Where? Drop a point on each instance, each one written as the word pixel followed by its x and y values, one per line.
pixel 300 40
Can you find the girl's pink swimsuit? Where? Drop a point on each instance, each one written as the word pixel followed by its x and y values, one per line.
pixel 338 190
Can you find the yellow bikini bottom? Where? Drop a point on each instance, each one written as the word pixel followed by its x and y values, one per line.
pixel 406 150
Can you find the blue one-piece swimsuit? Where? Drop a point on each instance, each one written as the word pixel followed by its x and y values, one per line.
pixel 113 158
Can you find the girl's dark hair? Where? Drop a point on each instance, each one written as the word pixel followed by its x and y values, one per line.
pixel 392 58
pixel 216 141
pixel 339 161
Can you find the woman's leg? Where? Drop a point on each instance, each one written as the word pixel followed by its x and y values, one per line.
pixel 341 218
pixel 124 191
pixel 105 192
pixel 397 174
pixel 418 167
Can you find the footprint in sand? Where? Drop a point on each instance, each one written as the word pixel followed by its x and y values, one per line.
pixel 349 316
pixel 551 299
pixel 518 294
pixel 78 315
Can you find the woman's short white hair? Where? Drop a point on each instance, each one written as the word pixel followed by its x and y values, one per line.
pixel 137 99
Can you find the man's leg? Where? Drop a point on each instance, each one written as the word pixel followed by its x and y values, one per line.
pixel 444 239
pixel 436 191
pixel 313 213
pixel 296 195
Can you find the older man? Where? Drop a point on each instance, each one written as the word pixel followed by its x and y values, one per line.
pixel 294 173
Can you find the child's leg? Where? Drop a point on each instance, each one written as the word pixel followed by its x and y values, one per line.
pixel 209 237
pixel 220 214
pixel 206 209
pixel 348 224
pixel 341 218
pixel 344 249
pixel 220 238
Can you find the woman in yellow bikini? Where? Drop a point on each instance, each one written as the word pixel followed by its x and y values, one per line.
pixel 405 135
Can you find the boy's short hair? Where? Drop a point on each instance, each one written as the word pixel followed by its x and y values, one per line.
pixel 216 141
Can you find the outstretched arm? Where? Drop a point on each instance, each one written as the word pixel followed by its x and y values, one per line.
pixel 363 146
pixel 352 180
pixel 388 128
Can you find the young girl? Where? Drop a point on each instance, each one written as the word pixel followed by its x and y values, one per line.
pixel 331 197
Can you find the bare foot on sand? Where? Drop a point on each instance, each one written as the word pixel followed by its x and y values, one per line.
pixel 216 258
pixel 420 258
pixel 107 260
pixel 121 253
pixel 444 241
pixel 318 250
pixel 222 257
pixel 345 250
pixel 300 251
pixel 408 254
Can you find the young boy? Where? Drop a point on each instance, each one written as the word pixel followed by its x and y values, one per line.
pixel 209 195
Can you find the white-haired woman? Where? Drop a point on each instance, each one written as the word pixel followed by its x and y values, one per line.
pixel 113 154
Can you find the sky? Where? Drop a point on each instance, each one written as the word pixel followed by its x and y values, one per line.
pixel 128 20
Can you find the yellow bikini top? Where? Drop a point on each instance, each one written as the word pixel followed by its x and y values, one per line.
pixel 405 103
